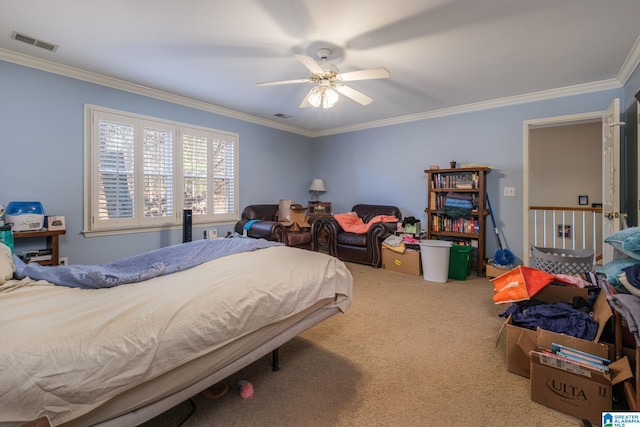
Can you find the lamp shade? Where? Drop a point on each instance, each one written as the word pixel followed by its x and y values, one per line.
pixel 317 185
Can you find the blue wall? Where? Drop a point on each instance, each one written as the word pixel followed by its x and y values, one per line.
pixel 386 165
pixel 41 136
pixel 42 146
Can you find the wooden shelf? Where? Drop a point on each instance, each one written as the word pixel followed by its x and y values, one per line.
pixel 442 181
pixel 53 240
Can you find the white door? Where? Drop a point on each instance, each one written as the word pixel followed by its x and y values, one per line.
pixel 610 176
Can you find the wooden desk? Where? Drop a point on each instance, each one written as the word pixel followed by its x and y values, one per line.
pixel 52 238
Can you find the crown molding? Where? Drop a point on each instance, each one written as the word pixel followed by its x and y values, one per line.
pixel 630 63
pixel 99 79
pixel 485 105
pixel 629 66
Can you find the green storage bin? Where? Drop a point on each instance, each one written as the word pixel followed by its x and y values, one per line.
pixel 460 262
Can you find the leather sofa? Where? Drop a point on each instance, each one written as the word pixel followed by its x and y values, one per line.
pixel 362 248
pixel 267 227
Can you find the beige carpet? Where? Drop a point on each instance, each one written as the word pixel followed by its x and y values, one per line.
pixel 408 353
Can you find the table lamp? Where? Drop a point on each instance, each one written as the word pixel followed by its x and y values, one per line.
pixel 317 186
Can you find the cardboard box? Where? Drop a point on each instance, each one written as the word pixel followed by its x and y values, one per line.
pixel 572 388
pixel 494 271
pixel 409 262
pixel 521 341
pixel 297 219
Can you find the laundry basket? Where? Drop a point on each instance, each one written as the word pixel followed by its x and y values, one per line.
pixel 562 261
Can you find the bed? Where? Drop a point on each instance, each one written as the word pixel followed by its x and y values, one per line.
pixel 120 355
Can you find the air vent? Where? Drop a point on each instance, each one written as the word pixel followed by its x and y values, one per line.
pixel 33 41
pixel 282 116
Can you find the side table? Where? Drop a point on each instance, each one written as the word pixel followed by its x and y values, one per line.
pixel 53 239
pixel 319 208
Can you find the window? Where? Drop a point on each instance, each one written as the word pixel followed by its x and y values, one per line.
pixel 142 172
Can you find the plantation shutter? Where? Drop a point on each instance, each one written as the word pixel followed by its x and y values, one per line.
pixel 142 172
pixel 116 168
pixel 158 171
pixel 195 171
pixel 223 161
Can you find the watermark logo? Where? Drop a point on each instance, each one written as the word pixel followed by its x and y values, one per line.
pixel 620 419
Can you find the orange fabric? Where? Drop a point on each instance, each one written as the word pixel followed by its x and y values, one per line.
pixel 352 223
pixel 521 283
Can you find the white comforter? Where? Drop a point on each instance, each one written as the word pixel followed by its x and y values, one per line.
pixel 65 351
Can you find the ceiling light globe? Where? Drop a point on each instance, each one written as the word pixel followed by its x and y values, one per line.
pixel 330 98
pixel 315 97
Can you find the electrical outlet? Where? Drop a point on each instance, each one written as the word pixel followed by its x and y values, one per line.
pixel 63 261
pixel 509 191
pixel 211 233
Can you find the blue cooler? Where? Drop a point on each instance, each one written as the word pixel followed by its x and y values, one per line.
pixel 25 216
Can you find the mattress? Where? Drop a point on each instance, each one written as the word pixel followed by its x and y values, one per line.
pixel 67 352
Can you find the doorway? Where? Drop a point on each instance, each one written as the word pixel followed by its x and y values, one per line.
pixel 559 174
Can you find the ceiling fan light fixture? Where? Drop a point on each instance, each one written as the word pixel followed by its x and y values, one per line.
pixel 315 97
pixel 323 95
pixel 329 98
pixel 329 81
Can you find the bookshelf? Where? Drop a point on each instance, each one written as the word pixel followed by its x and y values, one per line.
pixel 467 184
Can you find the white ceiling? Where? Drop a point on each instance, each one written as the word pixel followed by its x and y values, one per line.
pixel 443 55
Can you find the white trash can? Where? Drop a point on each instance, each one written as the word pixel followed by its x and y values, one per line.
pixel 435 259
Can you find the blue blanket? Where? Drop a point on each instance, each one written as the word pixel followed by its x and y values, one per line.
pixel 137 268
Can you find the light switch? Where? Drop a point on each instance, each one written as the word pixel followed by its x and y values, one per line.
pixel 509 191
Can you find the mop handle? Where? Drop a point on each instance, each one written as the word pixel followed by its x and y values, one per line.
pixel 493 220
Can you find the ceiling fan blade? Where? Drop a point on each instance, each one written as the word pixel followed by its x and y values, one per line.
pixel 357 96
pixel 310 63
pixel 374 73
pixel 283 82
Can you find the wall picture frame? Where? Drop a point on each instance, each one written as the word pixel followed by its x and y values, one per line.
pixel 564 231
pixel 583 200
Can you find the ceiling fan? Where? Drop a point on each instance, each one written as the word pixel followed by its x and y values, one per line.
pixel 329 81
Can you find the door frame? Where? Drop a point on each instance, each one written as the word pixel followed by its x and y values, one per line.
pixel 528 125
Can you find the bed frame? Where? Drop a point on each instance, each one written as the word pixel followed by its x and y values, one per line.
pixel 154 409
pixel 102 417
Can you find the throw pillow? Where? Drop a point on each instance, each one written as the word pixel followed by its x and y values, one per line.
pixel 626 241
pixel 613 269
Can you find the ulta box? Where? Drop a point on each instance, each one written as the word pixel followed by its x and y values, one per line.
pixel 573 388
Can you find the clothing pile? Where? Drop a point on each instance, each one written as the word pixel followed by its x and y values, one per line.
pixel 571 319
pixel 400 243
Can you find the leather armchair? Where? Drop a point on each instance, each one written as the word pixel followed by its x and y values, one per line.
pixel 269 228
pixel 362 248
